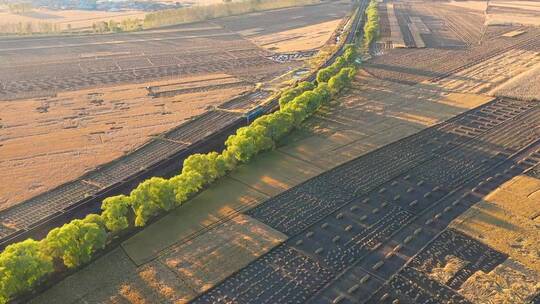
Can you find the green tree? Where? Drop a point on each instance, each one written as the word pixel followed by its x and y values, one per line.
pixel 150 197
pixel 371 27
pixel 209 165
pixel 76 241
pixel 350 54
pixel 290 94
pixel 248 141
pixel 115 212
pixel 276 124
pixel 22 265
pixel 186 184
pixel 325 74
pixel 302 106
pixel 323 90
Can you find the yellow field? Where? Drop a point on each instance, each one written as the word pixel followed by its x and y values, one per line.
pixel 74 19
pixel 299 39
pixel 509 282
pixel 505 220
pixel 503 11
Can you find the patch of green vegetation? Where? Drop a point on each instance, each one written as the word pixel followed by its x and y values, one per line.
pixel 371 27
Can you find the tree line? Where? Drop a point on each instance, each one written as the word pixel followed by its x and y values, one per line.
pixel 371 27
pixel 25 264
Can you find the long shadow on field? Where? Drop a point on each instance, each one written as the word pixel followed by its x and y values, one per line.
pixel 372 214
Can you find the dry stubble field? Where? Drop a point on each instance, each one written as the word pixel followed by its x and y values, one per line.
pixel 65 136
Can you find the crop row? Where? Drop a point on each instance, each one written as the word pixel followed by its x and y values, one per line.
pixel 412 284
pixel 137 74
pixel 292 211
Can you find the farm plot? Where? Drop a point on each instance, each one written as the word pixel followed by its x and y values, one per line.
pixel 465 24
pixel 427 25
pixel 281 170
pixel 412 66
pixel 218 204
pixel 373 113
pixel 177 275
pixel 182 87
pixel 344 230
pixel 299 39
pixel 44 66
pixel 470 255
pixel 188 62
pixel 514 12
pixel 518 195
pixel 125 284
pixel 292 29
pixel 402 17
pixel 65 196
pixel 78 63
pixel 61 138
pixel 522 87
pixel 385 28
pixel 75 19
pixel 215 255
pixel 509 282
pixel 282 275
pixel 274 172
pixel 494 72
pixel 411 285
pixel 246 101
pixel 501 224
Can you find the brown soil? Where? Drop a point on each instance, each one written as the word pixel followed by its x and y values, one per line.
pixel 60 138
pixel 300 39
